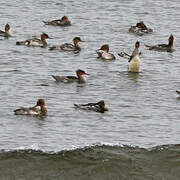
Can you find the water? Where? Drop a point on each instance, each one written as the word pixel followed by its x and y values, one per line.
pixel 143 108
pixel 98 162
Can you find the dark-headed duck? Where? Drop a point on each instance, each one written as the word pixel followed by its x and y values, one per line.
pixel 69 47
pixel 103 53
pixel 7 32
pixel 35 41
pixel 140 29
pixel 33 110
pixel 64 21
pixel 97 107
pixel 163 47
pixel 68 79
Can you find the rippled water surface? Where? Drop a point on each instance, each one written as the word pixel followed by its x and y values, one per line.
pixel 143 108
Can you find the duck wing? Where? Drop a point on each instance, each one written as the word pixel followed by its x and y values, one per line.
pixel 27 111
pixel 65 79
pixel 157 47
pixel 28 41
pixel 90 106
pixel 2 33
pixel 53 22
pixel 108 56
pixel 67 47
pixel 162 45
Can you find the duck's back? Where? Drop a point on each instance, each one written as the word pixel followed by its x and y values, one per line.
pixel 65 79
pixel 107 56
pixel 26 111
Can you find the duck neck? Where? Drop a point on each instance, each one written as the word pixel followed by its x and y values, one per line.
pixel 8 33
pixel 76 44
pixel 43 110
pixel 170 44
pixel 44 42
pixel 81 78
pixel 136 51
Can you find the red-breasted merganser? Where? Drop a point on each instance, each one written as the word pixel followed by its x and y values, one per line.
pixel 69 47
pixel 140 29
pixel 33 110
pixel 163 47
pixel 134 59
pixel 97 107
pixel 35 41
pixel 64 21
pixel 103 53
pixel 68 79
pixel 7 32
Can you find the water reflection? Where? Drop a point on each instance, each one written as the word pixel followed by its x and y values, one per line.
pixel 133 76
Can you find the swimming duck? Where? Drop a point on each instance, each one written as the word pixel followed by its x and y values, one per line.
pixel 103 53
pixel 97 107
pixel 33 110
pixel 68 79
pixel 7 32
pixel 64 21
pixel 163 47
pixel 134 61
pixel 35 41
pixel 140 29
pixel 69 47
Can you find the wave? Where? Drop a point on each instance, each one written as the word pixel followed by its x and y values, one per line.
pixel 95 162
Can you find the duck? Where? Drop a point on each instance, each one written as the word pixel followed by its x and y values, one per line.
pixel 69 79
pixel 69 47
pixel 103 53
pixel 134 60
pixel 7 32
pixel 35 41
pixel 33 110
pixel 163 47
pixel 97 107
pixel 140 29
pixel 64 21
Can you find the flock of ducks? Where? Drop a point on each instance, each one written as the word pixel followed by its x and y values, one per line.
pixel 134 61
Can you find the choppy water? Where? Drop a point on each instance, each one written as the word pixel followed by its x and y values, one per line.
pixel 98 162
pixel 143 108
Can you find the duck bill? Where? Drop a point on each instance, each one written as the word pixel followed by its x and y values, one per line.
pixel 50 38
pixel 86 74
pixel 35 106
pixel 82 41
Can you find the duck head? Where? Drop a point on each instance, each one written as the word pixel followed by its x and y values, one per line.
pixel 137 44
pixel 76 40
pixel 102 105
pixel 44 36
pixel 105 48
pixel 40 103
pixel 7 27
pixel 171 40
pixel 141 25
pixel 80 72
pixel 64 18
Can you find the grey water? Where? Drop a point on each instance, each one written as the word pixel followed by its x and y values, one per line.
pixel 144 109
